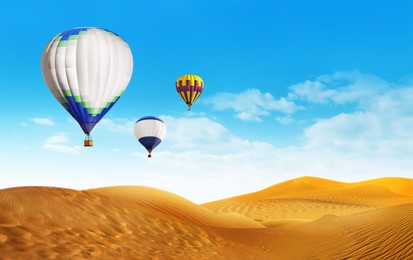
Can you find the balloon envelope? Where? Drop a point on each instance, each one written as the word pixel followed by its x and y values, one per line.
pixel 150 131
pixel 87 69
pixel 189 87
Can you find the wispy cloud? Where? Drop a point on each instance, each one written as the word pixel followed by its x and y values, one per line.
pixel 202 134
pixel 57 143
pixel 339 88
pixel 42 121
pixel 57 139
pixel 251 105
pixel 288 120
pixel 369 131
pixel 380 121
pixel 119 125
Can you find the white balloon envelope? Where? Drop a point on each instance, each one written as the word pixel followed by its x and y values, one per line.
pixel 87 69
pixel 150 131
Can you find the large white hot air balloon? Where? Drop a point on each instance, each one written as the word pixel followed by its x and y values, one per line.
pixel 150 131
pixel 87 69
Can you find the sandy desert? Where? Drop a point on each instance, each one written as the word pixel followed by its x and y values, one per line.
pixel 303 218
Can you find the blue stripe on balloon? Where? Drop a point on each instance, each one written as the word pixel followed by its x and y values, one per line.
pixel 109 31
pixel 72 108
pixel 149 118
pixel 150 142
pixel 66 34
pixel 86 121
pixel 80 111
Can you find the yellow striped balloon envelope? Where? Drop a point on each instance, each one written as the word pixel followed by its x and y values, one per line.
pixel 189 87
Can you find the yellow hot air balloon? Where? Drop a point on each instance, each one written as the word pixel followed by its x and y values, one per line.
pixel 189 87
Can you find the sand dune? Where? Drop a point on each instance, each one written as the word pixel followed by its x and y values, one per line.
pixel 175 206
pixel 311 198
pixel 111 222
pixel 401 186
pixel 304 218
pixel 384 233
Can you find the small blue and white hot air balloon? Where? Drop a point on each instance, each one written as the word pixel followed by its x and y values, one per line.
pixel 150 131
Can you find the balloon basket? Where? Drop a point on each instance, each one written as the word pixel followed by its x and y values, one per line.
pixel 88 143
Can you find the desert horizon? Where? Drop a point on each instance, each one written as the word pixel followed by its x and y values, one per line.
pixel 302 218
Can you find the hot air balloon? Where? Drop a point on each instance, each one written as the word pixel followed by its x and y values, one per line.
pixel 189 87
pixel 87 69
pixel 150 131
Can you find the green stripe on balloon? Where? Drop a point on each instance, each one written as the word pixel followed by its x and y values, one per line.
pixel 67 93
pixel 62 44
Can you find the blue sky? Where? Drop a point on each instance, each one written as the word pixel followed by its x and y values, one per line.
pixel 292 88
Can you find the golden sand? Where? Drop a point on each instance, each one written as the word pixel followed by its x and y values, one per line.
pixel 304 218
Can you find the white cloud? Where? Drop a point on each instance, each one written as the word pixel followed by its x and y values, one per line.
pixel 396 101
pixel 57 139
pixel 251 104
pixel 383 126
pixel 57 143
pixel 339 88
pixel 42 121
pixel 288 120
pixel 119 125
pixel 202 134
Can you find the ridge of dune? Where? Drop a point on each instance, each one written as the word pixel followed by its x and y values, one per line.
pixel 308 184
pixel 176 206
pixel 290 187
pixel 365 194
pixel 313 198
pixel 398 185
